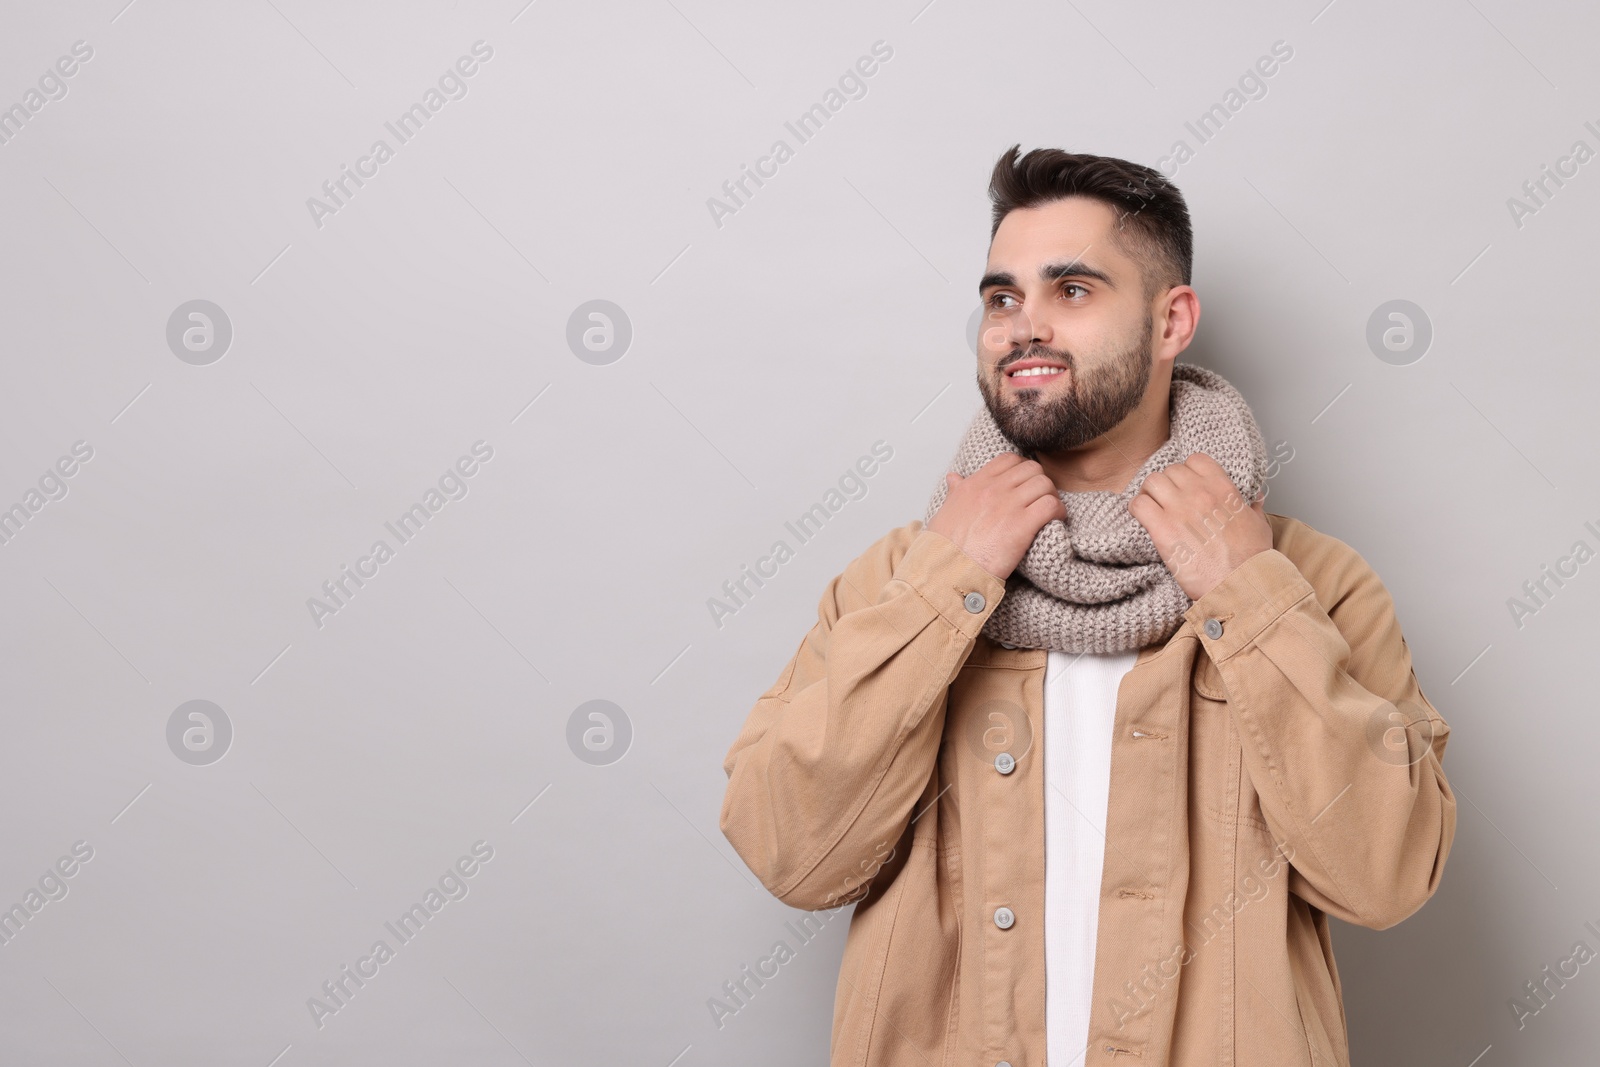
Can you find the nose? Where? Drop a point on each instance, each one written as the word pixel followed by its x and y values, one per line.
pixel 1027 329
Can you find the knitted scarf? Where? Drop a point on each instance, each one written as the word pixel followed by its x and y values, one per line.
pixel 1095 582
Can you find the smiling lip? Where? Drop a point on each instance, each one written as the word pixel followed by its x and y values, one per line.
pixel 1051 371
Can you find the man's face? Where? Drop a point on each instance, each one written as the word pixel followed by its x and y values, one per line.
pixel 1062 302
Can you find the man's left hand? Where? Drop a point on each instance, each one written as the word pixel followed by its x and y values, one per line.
pixel 1200 523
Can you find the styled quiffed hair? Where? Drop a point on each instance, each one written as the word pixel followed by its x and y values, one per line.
pixel 1152 218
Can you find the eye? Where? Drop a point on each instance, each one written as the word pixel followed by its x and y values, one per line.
pixel 994 300
pixel 1074 285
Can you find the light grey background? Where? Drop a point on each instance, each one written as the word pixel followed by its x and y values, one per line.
pixel 768 354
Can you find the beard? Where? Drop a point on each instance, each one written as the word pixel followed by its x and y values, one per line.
pixel 1037 421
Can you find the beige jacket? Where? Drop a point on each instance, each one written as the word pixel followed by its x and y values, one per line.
pixel 1269 768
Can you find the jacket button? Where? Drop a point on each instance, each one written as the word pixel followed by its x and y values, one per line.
pixel 1003 918
pixel 1005 763
pixel 1003 1063
pixel 974 602
pixel 1213 629
pixel 1007 644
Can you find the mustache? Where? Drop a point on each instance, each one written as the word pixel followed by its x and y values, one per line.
pixel 1055 355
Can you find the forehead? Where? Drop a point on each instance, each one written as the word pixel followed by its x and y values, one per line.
pixel 1072 227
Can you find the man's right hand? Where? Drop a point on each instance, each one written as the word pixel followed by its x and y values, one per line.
pixel 994 514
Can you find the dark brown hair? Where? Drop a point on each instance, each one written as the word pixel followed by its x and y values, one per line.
pixel 1152 218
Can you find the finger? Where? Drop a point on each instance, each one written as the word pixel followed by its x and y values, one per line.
pixel 1160 487
pixel 1201 471
pixel 1038 485
pixel 1145 511
pixel 1184 474
pixel 1003 461
pixel 1018 473
pixel 997 466
pixel 1046 509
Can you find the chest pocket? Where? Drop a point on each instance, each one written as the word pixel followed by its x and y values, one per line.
pixel 1214 757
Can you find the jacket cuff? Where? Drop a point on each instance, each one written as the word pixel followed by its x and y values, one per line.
pixel 951 581
pixel 1246 602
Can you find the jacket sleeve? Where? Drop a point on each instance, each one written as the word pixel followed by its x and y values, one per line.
pixel 824 773
pixel 1342 746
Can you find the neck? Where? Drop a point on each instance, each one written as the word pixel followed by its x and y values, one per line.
pixel 1109 462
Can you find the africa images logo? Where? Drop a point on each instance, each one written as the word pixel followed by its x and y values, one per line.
pixel 452 85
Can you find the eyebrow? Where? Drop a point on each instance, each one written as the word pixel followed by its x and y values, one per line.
pixel 1072 268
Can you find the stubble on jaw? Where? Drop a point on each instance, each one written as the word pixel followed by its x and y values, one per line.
pixel 1036 422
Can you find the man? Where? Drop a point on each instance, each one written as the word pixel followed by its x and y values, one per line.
pixel 1097 748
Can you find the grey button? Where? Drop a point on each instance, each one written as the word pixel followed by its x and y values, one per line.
pixel 1003 918
pixel 1004 763
pixel 1007 644
pixel 974 602
pixel 1003 1063
pixel 1213 629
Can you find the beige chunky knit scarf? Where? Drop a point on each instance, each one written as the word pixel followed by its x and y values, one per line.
pixel 1095 583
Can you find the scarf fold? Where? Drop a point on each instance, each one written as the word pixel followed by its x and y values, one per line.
pixel 1095 582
